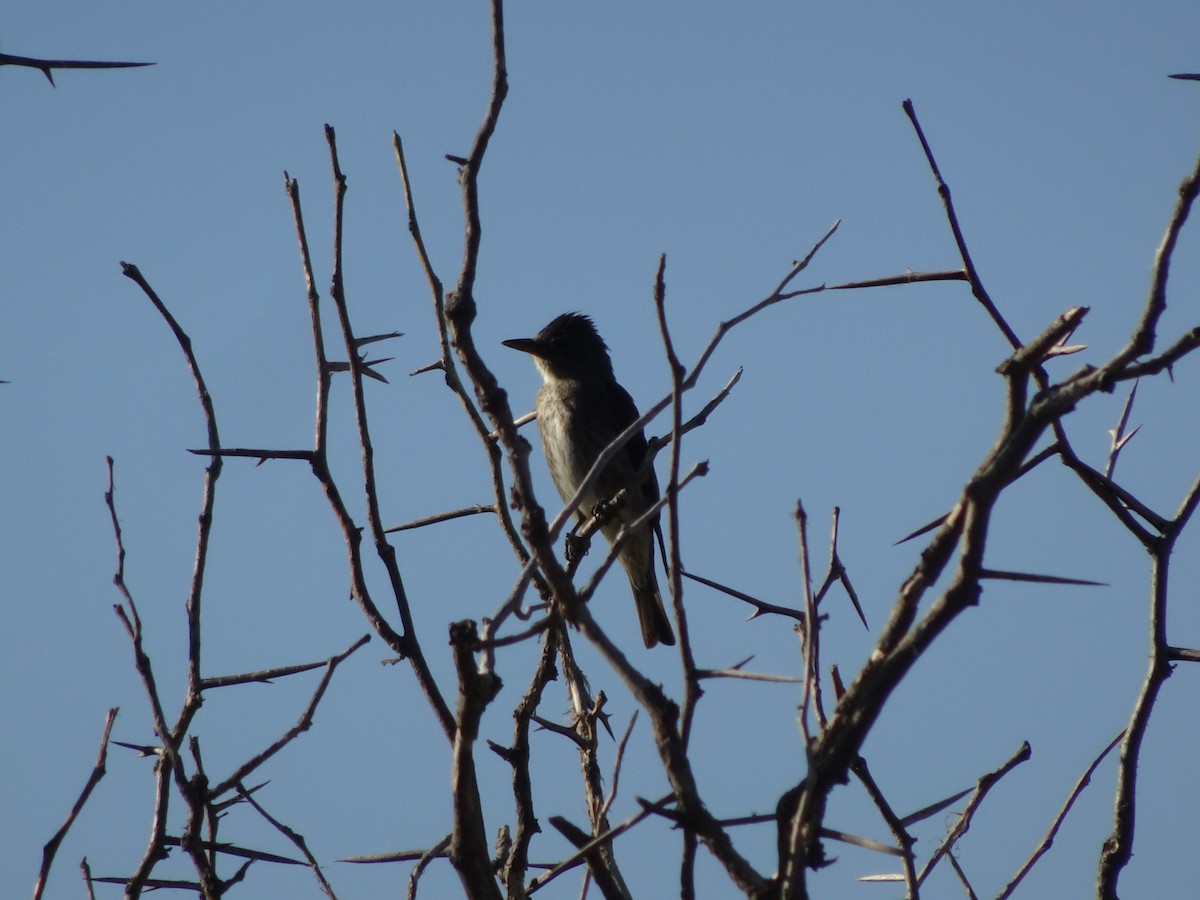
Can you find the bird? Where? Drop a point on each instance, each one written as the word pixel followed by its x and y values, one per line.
pixel 581 408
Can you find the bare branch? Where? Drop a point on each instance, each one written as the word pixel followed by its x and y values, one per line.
pixel 513 870
pixel 302 724
pixel 1119 437
pixel 469 845
pixel 962 876
pixel 267 675
pixel 611 887
pixel 906 278
pixel 691 684
pixel 438 850
pixel 212 473
pixel 904 840
pixel 98 771
pixel 985 784
pixel 475 510
pixel 943 190
pixel 760 606
pixel 293 836
pixel 1048 839
pixel 47 66
pixel 648 809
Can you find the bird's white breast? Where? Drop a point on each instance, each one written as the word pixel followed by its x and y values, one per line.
pixel 556 426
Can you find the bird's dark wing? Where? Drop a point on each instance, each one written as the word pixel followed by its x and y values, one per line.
pixel 625 412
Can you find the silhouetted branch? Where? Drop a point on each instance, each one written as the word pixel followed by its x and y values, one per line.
pixel 293 836
pixel 98 771
pixel 47 66
pixel 982 787
pixel 475 510
pixel 943 190
pixel 1048 839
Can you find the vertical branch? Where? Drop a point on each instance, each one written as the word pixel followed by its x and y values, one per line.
pixel 156 849
pixel 692 689
pixel 211 474
pixel 1120 437
pixel 664 717
pixel 1118 848
pixel 170 763
pixel 518 756
pixel 460 314
pixel 405 644
pixel 469 851
pixel 337 292
pixel 386 552
pixel 812 633
pixel 450 371
pixel 86 871
pixel 470 172
pixel 324 372
pixel 586 711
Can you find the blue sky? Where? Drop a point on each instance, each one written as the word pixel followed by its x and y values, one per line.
pixel 729 137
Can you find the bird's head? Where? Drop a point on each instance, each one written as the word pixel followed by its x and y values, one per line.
pixel 569 347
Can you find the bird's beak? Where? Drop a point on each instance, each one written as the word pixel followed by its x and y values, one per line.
pixel 526 345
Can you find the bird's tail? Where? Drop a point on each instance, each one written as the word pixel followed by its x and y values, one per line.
pixel 652 615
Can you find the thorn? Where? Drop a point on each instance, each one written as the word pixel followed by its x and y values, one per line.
pixel 371 338
pixel 435 366
pixel 1127 438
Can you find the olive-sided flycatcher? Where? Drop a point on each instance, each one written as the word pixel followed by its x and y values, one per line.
pixel 580 410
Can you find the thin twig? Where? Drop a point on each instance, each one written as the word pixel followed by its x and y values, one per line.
pixel 437 851
pixel 811 700
pixel 302 724
pixel 620 758
pixel 904 840
pixel 906 278
pixel 267 675
pixel 293 836
pixel 760 606
pixel 1052 831
pixel 691 688
pixel 211 474
pixel 962 876
pixel 943 189
pixel 98 771
pixel 434 519
pixel 573 860
pixel 982 787
pixel 630 529
pixel 1119 436
pixel 518 756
